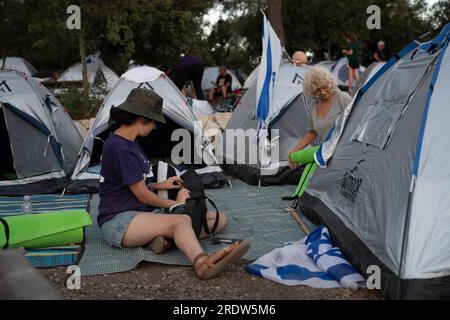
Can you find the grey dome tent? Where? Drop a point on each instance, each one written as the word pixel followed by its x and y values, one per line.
pixel 96 68
pixel 340 72
pixel 384 193
pixel 289 114
pixel 39 141
pixel 370 71
pixel 18 64
pixel 178 114
pixel 327 64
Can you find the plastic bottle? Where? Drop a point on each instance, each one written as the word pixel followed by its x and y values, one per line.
pixel 27 208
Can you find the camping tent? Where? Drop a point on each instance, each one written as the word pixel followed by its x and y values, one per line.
pixel 158 145
pixel 340 72
pixel 19 64
pixel 251 79
pixel 210 75
pixel 370 71
pixel 96 68
pixel 384 192
pixel 288 114
pixel 327 64
pixel 39 141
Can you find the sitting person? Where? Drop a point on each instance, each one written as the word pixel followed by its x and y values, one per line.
pixel 327 104
pixel 222 85
pixel 130 213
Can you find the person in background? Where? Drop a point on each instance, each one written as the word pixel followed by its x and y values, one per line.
pixel 353 54
pixel 222 85
pixel 189 68
pixel 131 214
pixel 379 55
pixel 327 104
pixel 299 58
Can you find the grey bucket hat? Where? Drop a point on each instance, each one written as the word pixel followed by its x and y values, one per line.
pixel 144 103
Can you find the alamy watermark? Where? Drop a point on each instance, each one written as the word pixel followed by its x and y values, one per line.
pixel 74 20
pixel 374 20
pixel 232 146
pixel 73 281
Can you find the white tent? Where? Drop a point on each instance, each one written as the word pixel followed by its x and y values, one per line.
pixel 210 75
pixel 176 110
pixel 95 68
pixel 251 79
pixel 288 113
pixel 18 64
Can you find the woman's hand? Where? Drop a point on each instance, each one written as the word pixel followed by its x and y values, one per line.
pixel 290 163
pixel 183 195
pixel 171 183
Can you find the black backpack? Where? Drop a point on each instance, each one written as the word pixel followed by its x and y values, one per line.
pixel 195 207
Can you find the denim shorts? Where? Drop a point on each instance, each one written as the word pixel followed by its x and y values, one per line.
pixel 114 229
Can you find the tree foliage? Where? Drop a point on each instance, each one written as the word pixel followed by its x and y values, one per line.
pixel 151 32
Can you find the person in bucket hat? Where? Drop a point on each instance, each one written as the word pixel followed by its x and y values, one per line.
pixel 131 214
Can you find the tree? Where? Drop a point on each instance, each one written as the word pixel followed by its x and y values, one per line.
pixel 440 14
pixel 275 16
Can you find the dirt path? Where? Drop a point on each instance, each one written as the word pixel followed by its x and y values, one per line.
pixel 156 281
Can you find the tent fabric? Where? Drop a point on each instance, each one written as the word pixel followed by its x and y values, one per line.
pixel 18 64
pixel 251 79
pixel 392 195
pixel 210 75
pixel 289 115
pixel 95 66
pixel 175 108
pixel 340 71
pixel 43 138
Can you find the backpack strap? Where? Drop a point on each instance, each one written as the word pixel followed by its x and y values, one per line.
pixel 216 223
pixel 6 226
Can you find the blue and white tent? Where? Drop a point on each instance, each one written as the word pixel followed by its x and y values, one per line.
pixel 384 193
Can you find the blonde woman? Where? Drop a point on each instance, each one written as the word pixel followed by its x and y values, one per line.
pixel 326 104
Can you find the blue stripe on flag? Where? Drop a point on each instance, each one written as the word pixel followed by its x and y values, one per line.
pixel 264 99
pixel 255 269
pixel 341 270
pixel 294 272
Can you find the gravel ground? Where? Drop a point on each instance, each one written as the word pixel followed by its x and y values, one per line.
pixel 156 281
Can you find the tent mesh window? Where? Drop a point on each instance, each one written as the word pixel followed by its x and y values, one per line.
pixel 389 104
pixel 7 171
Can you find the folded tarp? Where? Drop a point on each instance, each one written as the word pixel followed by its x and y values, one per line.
pixel 44 229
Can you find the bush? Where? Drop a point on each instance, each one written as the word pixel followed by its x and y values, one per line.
pixel 78 106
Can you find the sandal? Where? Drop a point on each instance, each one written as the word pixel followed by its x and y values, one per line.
pixel 209 266
pixel 160 245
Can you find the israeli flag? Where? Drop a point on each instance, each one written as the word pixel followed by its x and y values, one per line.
pixel 312 261
pixel 268 69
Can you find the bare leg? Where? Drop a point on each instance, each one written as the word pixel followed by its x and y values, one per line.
pixel 224 91
pixel 356 71
pixel 211 94
pixel 350 79
pixel 145 227
pixel 211 218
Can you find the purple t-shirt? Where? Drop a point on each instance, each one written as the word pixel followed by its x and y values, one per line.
pixel 123 163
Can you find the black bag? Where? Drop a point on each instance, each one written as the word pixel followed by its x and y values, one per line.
pixel 195 207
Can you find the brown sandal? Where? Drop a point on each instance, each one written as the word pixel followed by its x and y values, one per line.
pixel 160 245
pixel 209 266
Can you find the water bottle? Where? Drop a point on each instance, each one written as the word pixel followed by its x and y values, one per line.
pixel 26 205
